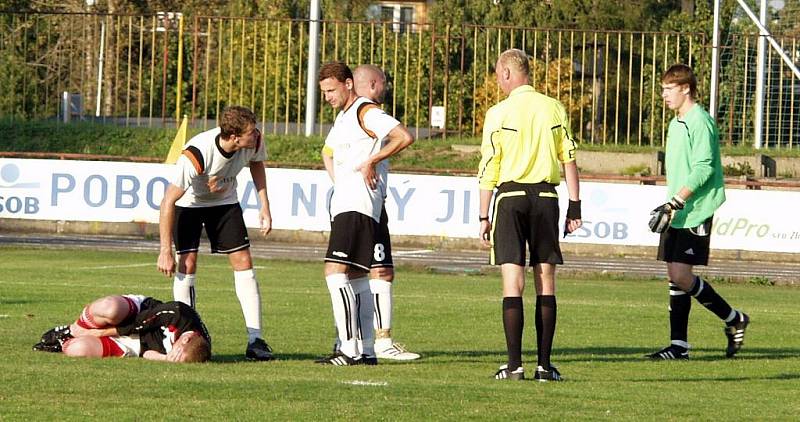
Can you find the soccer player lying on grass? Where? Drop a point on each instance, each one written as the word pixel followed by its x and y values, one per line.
pixel 132 325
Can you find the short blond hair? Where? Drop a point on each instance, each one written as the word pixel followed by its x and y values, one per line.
pixel 516 60
pixel 196 349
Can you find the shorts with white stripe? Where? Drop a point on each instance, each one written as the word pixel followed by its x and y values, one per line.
pixel 525 215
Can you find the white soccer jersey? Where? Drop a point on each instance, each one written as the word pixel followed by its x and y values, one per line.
pixel 358 133
pixel 203 158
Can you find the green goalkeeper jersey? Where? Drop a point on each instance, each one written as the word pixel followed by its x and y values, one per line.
pixel 693 160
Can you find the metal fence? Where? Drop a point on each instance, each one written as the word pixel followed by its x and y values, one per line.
pixel 150 70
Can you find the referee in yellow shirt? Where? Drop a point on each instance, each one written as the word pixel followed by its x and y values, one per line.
pixel 526 141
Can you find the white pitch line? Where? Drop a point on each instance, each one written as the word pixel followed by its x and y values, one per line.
pixel 112 267
pixel 419 251
pixel 109 267
pixel 367 383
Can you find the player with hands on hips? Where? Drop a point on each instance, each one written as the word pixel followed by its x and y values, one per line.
pixel 355 156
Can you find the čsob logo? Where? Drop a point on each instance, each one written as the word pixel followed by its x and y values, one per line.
pixel 16 204
pixel 9 174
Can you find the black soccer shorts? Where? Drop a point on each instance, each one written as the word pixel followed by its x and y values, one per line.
pixel 224 226
pixel 353 241
pixel 382 247
pixel 688 246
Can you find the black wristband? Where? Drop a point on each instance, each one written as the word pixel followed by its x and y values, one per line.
pixel 574 210
pixel 483 218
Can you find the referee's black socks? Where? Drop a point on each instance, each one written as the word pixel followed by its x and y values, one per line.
pixel 513 321
pixel 546 311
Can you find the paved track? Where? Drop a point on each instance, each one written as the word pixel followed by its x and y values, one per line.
pixel 438 260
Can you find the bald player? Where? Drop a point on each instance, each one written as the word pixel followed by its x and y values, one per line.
pixel 370 82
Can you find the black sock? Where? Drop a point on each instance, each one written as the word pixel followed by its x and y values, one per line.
pixel 705 294
pixel 513 321
pixel 680 304
pixel 546 311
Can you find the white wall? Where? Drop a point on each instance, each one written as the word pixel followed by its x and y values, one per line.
pixel 614 214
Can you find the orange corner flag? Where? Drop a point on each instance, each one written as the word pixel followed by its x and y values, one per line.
pixel 177 144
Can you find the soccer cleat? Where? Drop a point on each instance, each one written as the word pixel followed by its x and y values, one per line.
pixel 338 359
pixel 735 334
pixel 504 374
pixel 53 339
pixel 259 350
pixel 56 334
pixel 396 351
pixel 47 347
pixel 368 360
pixel 545 375
pixel 670 352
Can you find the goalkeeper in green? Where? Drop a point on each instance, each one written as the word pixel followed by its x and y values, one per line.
pixel 696 189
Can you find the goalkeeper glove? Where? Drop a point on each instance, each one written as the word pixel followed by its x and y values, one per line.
pixel 661 217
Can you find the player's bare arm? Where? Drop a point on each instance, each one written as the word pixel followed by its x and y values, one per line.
pixel 398 139
pixel 327 160
pixel 259 174
pixel 153 355
pixel 166 219
pixel 485 221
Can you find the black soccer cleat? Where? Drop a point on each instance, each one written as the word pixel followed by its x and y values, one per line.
pixel 47 347
pixel 368 360
pixel 545 375
pixel 338 359
pixel 671 352
pixel 735 334
pixel 259 350
pixel 56 334
pixel 504 374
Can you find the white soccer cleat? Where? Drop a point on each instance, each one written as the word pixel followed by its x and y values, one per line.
pixel 395 351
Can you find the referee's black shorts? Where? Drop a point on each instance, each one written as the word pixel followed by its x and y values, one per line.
pixel 525 214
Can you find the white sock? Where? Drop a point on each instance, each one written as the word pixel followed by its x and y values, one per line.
pixel 343 302
pixel 681 343
pixel 250 300
pixel 382 322
pixel 183 288
pixel 366 310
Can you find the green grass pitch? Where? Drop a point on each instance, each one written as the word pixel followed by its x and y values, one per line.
pixel 605 325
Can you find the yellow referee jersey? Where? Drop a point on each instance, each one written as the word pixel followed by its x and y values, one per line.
pixel 525 139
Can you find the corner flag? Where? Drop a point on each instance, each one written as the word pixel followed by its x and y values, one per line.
pixel 177 144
